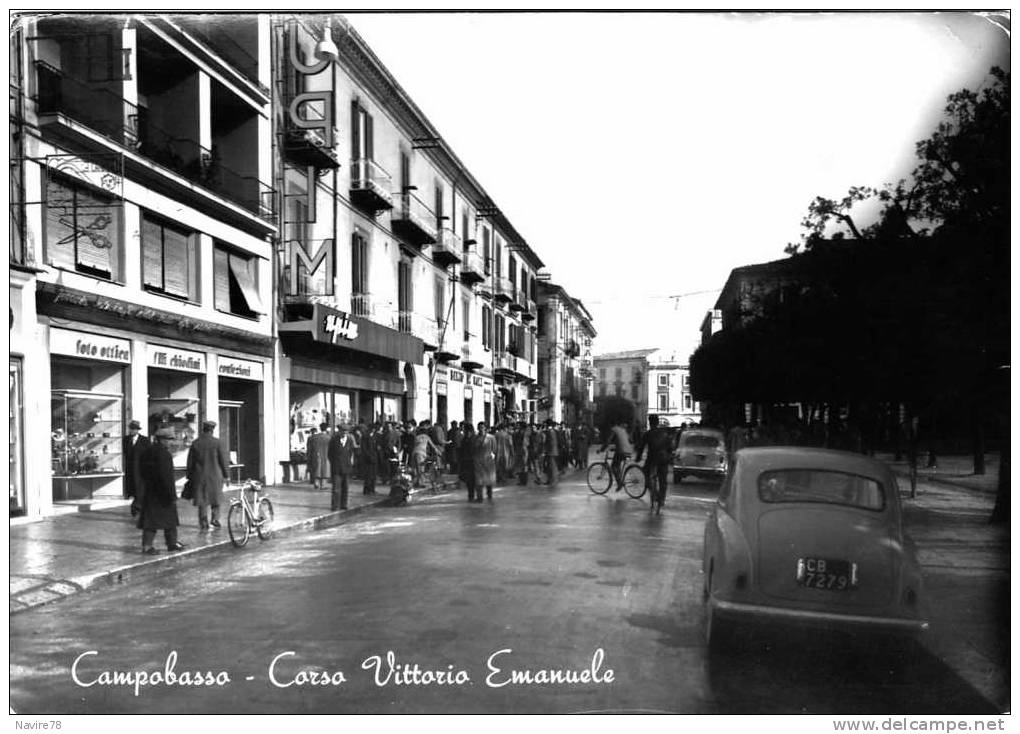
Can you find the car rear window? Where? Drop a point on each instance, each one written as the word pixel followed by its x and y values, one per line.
pixel 702 442
pixel 825 486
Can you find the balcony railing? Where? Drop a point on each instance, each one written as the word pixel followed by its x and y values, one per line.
pixel 362 304
pixel 420 326
pixel 529 311
pixel 218 40
pixel 571 349
pixel 413 221
pixel 502 288
pixel 371 186
pixel 128 125
pixel 472 269
pixel 448 248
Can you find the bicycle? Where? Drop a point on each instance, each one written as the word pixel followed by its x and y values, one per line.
pixel 431 473
pixel 250 514
pixel 600 477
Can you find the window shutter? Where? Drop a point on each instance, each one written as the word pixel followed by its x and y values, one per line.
pixel 356 138
pixel 93 217
pixel 437 292
pixel 242 270
pixel 152 254
pixel 176 262
pixel 221 279
pixel 369 135
pixel 59 224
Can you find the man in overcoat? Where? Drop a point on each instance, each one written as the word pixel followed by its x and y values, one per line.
pixel 157 494
pixel 370 458
pixel 318 457
pixel 342 452
pixel 208 469
pixel 134 446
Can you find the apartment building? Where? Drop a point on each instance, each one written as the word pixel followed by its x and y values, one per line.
pixel 565 336
pixel 141 247
pixel 241 218
pixel 657 382
pixel 405 292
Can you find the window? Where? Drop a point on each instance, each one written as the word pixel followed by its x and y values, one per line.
pixel 359 264
pixel 485 251
pixel 823 486
pixel 169 260
pixel 602 389
pixel 361 137
pixel 467 319
pixel 636 374
pixel 439 292
pixel 663 402
pixel 486 327
pixel 405 296
pixel 499 258
pixel 235 282
pixel 635 391
pixel 602 374
pixel 619 373
pixel 512 272
pixel 663 380
pixel 82 229
pixel 500 333
pixel 439 206
pixel 619 390
pixel 687 402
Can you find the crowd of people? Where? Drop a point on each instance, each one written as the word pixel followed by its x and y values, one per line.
pixel 479 455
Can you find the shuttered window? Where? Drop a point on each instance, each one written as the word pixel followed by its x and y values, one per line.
pixel 359 264
pixel 235 282
pixel 440 301
pixel 82 229
pixel 169 261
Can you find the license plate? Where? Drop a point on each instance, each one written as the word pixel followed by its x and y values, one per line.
pixel 827 574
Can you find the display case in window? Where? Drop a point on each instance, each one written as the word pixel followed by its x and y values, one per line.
pixel 180 416
pixel 86 442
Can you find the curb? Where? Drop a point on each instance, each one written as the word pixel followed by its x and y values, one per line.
pixel 51 591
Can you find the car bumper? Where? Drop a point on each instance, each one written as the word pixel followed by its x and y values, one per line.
pixel 826 620
pixel 703 472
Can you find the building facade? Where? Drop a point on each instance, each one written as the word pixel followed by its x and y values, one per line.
pixel 141 280
pixel 565 337
pixel 241 218
pixel 656 381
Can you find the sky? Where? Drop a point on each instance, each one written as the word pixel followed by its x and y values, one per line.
pixel 645 155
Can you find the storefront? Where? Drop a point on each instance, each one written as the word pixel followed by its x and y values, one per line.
pixel 16 440
pixel 87 383
pixel 175 380
pixel 240 422
pixel 342 369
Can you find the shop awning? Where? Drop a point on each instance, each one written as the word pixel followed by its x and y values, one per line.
pixel 341 329
pixel 246 282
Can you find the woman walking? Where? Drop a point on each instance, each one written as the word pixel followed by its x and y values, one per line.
pixel 485 462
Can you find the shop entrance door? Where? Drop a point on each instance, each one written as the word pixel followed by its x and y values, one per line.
pixel 441 411
pixel 230 436
pixel 467 412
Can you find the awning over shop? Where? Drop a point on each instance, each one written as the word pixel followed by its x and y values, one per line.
pixel 352 378
pixel 341 329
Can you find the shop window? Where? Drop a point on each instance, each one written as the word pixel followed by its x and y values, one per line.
pixel 169 260
pixel 235 283
pixel 82 229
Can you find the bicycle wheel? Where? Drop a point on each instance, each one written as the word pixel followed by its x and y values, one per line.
pixel 599 477
pixel 634 481
pixel 264 519
pixel 237 524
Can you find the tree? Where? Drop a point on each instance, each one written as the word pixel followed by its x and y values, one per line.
pixel 613 409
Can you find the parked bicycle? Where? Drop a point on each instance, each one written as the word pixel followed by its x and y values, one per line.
pixel 600 477
pixel 251 513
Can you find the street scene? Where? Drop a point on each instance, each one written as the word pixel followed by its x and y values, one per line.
pixel 395 363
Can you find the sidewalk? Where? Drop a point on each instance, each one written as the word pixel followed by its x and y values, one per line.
pixel 966 565
pixel 65 554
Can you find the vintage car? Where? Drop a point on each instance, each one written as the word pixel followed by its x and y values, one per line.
pixel 701 453
pixel 809 538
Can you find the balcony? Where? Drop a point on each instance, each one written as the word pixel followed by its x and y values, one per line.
pixel 571 349
pixel 65 103
pixel 470 355
pixel 370 186
pixel 473 268
pixel 504 363
pixel 517 304
pixel 448 351
pixel 362 304
pixel 503 290
pixel 413 221
pixel 420 326
pixel 218 37
pixel 447 250
pixel 528 312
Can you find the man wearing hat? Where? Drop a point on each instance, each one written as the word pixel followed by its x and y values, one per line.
pixel 342 450
pixel 157 494
pixel 208 469
pixel 134 445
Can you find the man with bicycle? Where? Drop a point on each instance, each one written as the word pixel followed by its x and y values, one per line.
pixel 657 441
pixel 617 438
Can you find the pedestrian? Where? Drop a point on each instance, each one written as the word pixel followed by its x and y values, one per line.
pixel 552 452
pixel 504 452
pixel 407 441
pixel 369 459
pixel 536 451
pixel 439 437
pixel 520 454
pixel 484 461
pixel 208 469
pixel 582 440
pixel 342 452
pixel 134 446
pixel 563 447
pixel 658 443
pixel 318 457
pixel 454 440
pixel 423 446
pixel 157 494
pixel 467 464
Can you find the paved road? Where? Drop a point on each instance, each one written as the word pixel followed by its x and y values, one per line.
pixel 538 580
